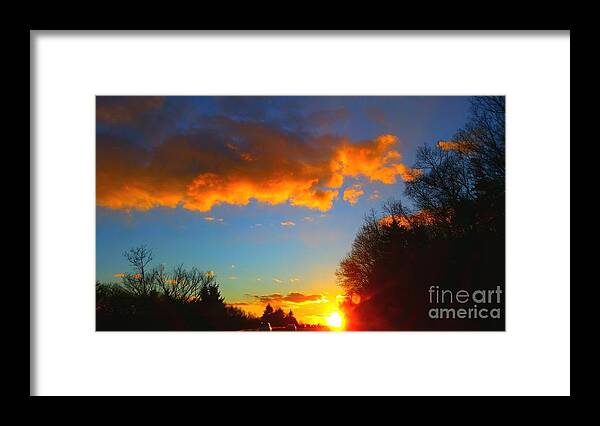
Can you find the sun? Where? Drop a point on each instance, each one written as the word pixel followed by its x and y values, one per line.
pixel 335 320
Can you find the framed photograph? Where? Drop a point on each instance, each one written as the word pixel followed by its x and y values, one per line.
pixel 386 191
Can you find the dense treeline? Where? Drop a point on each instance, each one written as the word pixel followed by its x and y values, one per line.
pixel 452 236
pixel 151 299
pixel 277 317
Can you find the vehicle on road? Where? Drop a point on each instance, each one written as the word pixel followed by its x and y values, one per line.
pixel 264 326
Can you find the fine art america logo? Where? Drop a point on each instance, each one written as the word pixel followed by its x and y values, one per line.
pixel 477 304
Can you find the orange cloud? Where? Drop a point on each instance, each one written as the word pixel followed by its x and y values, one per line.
pixel 291 298
pixel 119 275
pixel 288 223
pixel 375 159
pixel 353 193
pixel 266 164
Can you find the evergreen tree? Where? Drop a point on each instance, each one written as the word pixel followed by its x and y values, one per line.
pixel 290 319
pixel 268 313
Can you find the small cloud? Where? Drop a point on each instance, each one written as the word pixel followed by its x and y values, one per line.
pixel 232 266
pixel 308 218
pixel 277 280
pixel 233 277
pixel 291 298
pixel 288 223
pixel 353 194
pixel 303 298
pixel 256 225
pixel 119 275
pixel 374 195
pixel 212 219
pixel 259 279
pixel 294 280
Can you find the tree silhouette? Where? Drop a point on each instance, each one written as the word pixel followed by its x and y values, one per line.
pixel 149 298
pixel 266 316
pixel 290 319
pixel 141 282
pixel 277 317
pixel 454 238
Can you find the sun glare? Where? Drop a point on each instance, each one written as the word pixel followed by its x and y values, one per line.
pixel 335 320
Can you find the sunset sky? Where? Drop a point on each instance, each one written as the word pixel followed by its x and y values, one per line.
pixel 266 192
